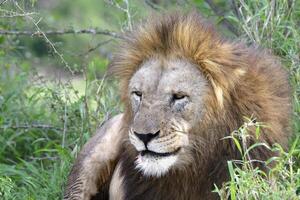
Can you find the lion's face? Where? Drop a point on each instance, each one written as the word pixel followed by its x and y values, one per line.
pixel 167 98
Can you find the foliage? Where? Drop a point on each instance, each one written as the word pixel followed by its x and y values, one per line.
pixel 45 120
pixel 42 128
pixel 272 24
pixel 280 180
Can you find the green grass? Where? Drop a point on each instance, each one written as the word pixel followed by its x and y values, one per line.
pixel 275 26
pixel 43 125
pixel 42 128
pixel 280 180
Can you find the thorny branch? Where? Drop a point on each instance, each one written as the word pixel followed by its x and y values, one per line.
pixel 235 7
pixel 32 126
pixel 12 14
pixel 3 2
pixel 95 47
pixel 61 32
pixel 65 125
pixel 16 15
pixel 126 10
pixel 44 36
pixel 151 5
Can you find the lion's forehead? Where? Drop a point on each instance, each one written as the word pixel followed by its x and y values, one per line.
pixel 147 76
pixel 166 76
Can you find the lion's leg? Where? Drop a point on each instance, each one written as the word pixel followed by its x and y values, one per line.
pixel 95 164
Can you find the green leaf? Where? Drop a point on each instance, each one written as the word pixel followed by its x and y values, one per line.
pixel 232 182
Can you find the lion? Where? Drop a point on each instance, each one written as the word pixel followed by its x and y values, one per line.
pixel 184 88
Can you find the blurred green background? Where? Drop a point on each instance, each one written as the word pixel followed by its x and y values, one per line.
pixel 54 91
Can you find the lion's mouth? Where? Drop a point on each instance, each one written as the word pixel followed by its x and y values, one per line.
pixel 156 154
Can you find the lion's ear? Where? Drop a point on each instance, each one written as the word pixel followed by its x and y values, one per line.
pixel 95 164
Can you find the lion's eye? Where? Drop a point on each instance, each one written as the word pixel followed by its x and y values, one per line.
pixel 137 93
pixel 178 96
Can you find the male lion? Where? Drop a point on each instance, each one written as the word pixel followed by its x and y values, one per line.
pixel 184 88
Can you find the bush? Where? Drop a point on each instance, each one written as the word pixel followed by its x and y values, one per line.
pixel 280 179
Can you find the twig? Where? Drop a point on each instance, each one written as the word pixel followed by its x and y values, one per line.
pixel 3 2
pixel 235 8
pixel 151 5
pixel 32 126
pixel 98 92
pixel 128 14
pixel 94 48
pixel 35 23
pixel 117 5
pixel 100 87
pixel 44 158
pixel 12 14
pixel 218 12
pixel 268 19
pixel 126 10
pixel 61 32
pixel 65 125
pixel 86 106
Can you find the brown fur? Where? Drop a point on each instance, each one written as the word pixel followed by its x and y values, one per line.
pixel 243 81
pixel 92 171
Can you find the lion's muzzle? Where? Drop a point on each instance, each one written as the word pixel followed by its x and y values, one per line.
pixel 157 152
pixel 145 138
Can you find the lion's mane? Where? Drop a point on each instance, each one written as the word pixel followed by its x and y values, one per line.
pixel 244 82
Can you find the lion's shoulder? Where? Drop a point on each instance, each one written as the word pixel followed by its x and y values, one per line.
pixel 95 164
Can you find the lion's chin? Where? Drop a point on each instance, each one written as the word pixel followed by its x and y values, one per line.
pixel 155 166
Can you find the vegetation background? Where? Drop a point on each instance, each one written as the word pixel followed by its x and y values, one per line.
pixel 54 91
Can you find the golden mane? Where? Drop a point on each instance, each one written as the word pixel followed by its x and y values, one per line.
pixel 187 36
pixel 248 75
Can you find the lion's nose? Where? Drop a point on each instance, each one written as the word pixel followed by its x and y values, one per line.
pixel 145 138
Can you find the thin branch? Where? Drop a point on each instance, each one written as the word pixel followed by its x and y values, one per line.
pixel 32 126
pixel 235 8
pixel 86 105
pixel 126 10
pixel 128 14
pixel 219 13
pixel 16 15
pixel 95 47
pixel 12 14
pixel 65 124
pixel 117 5
pixel 151 4
pixel 3 2
pixel 44 35
pixel 44 158
pixel 61 32
pixel 38 29
pixel 100 87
